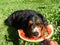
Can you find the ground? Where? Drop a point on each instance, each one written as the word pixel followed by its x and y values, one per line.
pixel 49 8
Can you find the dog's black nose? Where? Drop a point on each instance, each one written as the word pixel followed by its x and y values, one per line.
pixel 35 33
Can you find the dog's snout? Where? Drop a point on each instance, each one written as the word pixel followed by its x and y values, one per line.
pixel 35 33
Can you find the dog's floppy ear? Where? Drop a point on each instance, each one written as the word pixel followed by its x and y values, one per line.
pixel 43 19
pixel 9 20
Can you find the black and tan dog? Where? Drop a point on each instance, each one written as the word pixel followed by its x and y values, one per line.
pixel 30 21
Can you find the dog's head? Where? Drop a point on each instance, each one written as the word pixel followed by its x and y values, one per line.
pixel 28 20
pixel 35 25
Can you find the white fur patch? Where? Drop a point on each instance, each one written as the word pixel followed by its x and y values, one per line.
pixel 35 29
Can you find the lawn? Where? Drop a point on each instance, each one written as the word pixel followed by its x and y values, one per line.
pixel 49 8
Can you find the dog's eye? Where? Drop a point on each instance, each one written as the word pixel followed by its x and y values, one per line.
pixel 30 22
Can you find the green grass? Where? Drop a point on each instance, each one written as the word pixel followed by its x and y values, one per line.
pixel 49 8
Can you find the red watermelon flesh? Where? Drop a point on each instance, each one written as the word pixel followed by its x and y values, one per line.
pixel 35 38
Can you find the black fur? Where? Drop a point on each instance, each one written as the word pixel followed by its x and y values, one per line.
pixel 19 19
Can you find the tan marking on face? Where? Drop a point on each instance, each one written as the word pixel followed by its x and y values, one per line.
pixel 37 21
pixel 30 22
pixel 41 30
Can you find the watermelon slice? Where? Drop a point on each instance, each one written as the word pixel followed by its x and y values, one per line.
pixel 36 39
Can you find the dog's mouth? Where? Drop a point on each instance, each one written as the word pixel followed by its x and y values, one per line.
pixel 36 32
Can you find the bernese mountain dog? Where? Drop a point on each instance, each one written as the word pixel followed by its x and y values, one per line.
pixel 32 23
